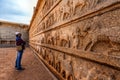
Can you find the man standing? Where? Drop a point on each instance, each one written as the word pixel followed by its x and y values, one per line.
pixel 20 45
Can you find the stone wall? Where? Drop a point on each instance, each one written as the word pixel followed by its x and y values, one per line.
pixel 7 32
pixel 78 39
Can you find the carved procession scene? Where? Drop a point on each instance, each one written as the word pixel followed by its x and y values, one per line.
pixel 78 39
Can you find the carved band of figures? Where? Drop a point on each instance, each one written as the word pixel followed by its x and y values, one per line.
pixel 44 14
pixel 85 39
pixel 69 67
pixel 112 61
pixel 52 20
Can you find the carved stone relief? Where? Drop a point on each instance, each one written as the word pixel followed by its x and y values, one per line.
pixel 45 6
pixel 86 71
pixel 64 39
pixel 76 4
pixel 80 69
pixel 103 34
pixel 59 57
pixel 50 20
pixel 50 38
pixel 75 39
pixel 107 34
pixel 66 69
pixel 57 15
pixel 65 9
pixel 96 74
pixel 43 54
pixel 97 34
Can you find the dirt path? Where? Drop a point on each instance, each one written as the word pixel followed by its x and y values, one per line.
pixel 34 70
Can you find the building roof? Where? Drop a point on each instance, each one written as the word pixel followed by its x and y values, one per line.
pixel 12 23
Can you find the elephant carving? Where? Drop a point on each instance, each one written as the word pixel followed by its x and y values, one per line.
pixel 64 39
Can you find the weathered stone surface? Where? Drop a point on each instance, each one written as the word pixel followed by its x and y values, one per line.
pixel 8 29
pixel 80 39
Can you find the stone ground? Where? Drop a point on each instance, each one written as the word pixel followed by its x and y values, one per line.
pixel 34 69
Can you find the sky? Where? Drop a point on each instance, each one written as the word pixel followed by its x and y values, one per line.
pixel 19 11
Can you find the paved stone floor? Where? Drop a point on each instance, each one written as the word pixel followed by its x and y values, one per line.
pixel 34 69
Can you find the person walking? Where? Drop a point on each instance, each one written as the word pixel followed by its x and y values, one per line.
pixel 20 45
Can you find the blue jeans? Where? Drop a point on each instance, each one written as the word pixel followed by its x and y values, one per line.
pixel 18 59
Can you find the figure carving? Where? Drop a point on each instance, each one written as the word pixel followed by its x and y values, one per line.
pixel 54 59
pixel 58 66
pixel 50 20
pixel 43 53
pixel 65 9
pixel 43 25
pixel 93 3
pixel 56 38
pixel 50 56
pixel 41 40
pixel 50 39
pixel 66 68
pixel 40 50
pixel 78 3
pixel 58 59
pixel 106 34
pixel 47 58
pixel 76 38
pixel 57 13
pixel 64 39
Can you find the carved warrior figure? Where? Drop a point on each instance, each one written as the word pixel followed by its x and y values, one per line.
pixel 43 25
pixel 56 38
pixel 50 57
pixel 65 9
pixel 76 38
pixel 53 38
pixel 43 54
pixel 50 20
pixel 47 6
pixel 58 58
pixel 50 39
pixel 41 40
pixel 57 13
pixel 78 3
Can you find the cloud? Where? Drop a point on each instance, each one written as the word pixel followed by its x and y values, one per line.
pixel 16 18
pixel 17 10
